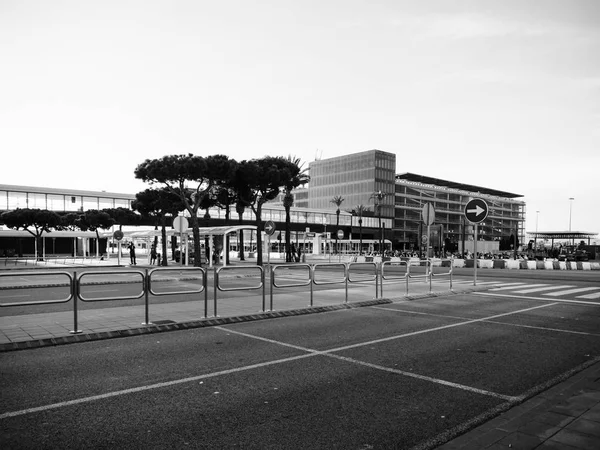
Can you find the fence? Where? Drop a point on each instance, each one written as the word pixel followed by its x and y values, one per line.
pixel 148 283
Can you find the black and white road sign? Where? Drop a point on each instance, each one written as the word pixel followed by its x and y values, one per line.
pixel 269 227
pixel 476 210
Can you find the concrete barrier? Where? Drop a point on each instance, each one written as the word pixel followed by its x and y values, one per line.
pixel 499 264
pixel 595 266
pixel 469 263
pixel 436 262
pixel 486 263
pixel 459 262
pixel 549 265
pixel 562 265
pixel 513 264
pixel 571 265
pixel 531 265
pixel 585 265
pixel 556 265
pixel 540 265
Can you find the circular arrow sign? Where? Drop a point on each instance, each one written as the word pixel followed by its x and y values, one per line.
pixel 180 224
pixel 269 227
pixel 118 235
pixel 476 210
pixel 340 234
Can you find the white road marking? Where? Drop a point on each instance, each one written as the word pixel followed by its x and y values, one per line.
pixel 508 286
pixel 590 296
pixel 555 300
pixel 147 387
pixel 518 325
pixel 540 289
pixel 310 353
pixel 571 291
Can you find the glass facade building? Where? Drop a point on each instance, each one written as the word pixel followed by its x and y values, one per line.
pixel 358 176
pixel 60 200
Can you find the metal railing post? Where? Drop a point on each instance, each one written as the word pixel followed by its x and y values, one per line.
pixel 346 276
pixel 216 288
pixel 75 291
pixel 272 283
pixel 264 290
pixel 311 274
pixel 146 286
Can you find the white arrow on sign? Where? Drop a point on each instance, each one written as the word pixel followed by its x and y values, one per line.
pixel 268 227
pixel 478 210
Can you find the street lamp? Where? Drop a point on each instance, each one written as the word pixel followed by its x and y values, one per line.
pixel 570 214
pixel 537 216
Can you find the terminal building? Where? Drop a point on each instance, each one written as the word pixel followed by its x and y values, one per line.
pixel 379 207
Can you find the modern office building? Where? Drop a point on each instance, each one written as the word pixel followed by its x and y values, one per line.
pixel 357 177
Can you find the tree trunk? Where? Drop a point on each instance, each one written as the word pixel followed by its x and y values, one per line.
pixel 196 233
pixel 288 237
pixel 259 252
pixel 163 232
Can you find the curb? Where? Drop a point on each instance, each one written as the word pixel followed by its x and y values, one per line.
pixel 202 323
pixel 215 321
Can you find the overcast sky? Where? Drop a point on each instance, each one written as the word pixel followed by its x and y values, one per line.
pixel 502 94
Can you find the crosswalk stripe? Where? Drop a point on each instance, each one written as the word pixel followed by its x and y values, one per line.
pixel 570 291
pixel 539 289
pixel 590 296
pixel 511 286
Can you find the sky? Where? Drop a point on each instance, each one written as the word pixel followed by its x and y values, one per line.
pixel 503 94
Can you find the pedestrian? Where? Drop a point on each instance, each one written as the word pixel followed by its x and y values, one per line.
pixel 153 255
pixel 132 253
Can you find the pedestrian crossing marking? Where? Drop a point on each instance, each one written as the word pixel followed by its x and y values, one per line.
pixel 590 296
pixel 512 286
pixel 539 289
pixel 570 291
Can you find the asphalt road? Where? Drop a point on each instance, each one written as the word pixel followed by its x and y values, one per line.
pixel 389 376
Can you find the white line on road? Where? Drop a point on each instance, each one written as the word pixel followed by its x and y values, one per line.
pixel 310 353
pixel 555 300
pixel 590 296
pixel 540 289
pixel 571 291
pixel 508 286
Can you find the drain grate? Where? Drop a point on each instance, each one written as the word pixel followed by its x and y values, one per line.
pixel 163 322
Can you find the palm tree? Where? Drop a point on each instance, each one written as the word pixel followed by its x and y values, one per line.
pixel 297 176
pixel 378 198
pixel 337 201
pixel 360 210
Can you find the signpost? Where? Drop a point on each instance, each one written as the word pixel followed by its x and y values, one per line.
pixel 118 235
pixel 476 212
pixel 428 213
pixel 340 235
pixel 180 224
pixel 269 230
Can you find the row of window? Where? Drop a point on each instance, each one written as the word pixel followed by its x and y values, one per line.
pixel 57 202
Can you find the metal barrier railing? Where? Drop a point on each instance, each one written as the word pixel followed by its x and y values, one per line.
pixel 150 280
pixel 291 267
pixel 399 266
pixel 365 278
pixel 448 273
pixel 426 275
pixel 218 286
pixel 68 284
pixel 192 270
pixel 329 282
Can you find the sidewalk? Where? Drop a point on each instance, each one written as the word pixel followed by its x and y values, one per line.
pixel 564 417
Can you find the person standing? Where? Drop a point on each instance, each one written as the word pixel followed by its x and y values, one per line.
pixel 132 253
pixel 153 255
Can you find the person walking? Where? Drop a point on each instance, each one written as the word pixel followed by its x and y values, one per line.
pixel 153 255
pixel 132 253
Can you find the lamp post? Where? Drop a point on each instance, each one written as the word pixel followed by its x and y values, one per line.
pixel 570 214
pixel 537 216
